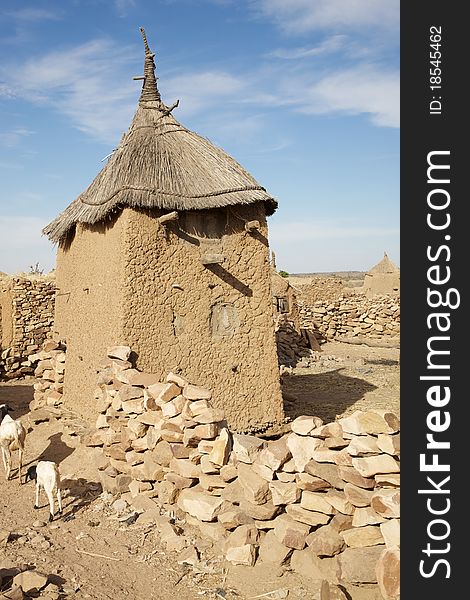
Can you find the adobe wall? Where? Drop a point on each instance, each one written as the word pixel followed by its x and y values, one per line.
pixel 215 322
pixel 26 316
pixel 88 313
pixel 325 289
pixel 6 313
pixel 381 283
pixel 283 292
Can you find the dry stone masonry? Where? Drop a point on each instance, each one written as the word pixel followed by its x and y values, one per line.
pixel 322 498
pixel 353 315
pixel 49 373
pixel 26 316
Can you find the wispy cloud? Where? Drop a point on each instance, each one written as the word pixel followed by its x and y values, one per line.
pixel 13 138
pixel 91 84
pixel 202 90
pixel 10 165
pixel 302 16
pixel 84 83
pixel 23 21
pixel 31 15
pixel 328 46
pixel 124 6
pixel 6 91
pixel 361 90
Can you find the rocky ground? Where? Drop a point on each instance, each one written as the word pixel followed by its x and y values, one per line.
pixel 98 549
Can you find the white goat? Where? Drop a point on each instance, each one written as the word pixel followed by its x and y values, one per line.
pixel 12 437
pixel 46 474
pixel 4 410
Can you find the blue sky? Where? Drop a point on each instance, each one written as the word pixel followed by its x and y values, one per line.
pixel 303 93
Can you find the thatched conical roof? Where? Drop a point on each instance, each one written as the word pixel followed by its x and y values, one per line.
pixel 161 164
pixel 384 266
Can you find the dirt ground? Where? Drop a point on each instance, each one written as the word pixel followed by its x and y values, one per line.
pixel 92 552
pixel 346 378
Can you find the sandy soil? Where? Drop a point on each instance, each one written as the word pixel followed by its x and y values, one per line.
pixel 89 553
pixel 347 377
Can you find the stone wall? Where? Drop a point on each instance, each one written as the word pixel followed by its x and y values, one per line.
pixel 352 316
pixel 49 372
pixel 27 314
pixel 323 499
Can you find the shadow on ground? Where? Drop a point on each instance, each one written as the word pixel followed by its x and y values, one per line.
pixel 77 495
pixel 324 395
pixel 388 362
pixel 18 396
pixel 57 450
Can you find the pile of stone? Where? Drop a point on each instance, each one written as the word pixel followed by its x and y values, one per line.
pixel 323 497
pixel 29 584
pixel 27 315
pixel 292 347
pixel 18 582
pixel 49 372
pixel 353 316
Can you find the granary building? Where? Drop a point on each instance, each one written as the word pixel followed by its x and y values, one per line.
pixel 383 278
pixel 167 252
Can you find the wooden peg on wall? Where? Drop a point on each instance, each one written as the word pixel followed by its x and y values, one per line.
pixel 252 226
pixel 173 216
pixel 212 259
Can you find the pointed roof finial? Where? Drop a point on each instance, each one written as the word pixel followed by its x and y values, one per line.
pixel 150 91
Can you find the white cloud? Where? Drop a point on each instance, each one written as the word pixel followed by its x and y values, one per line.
pixel 363 89
pixel 198 91
pixel 301 16
pixel 328 46
pixel 123 7
pixel 84 83
pixel 22 236
pixel 10 165
pixel 13 138
pixel 33 15
pixel 92 85
pixel 6 91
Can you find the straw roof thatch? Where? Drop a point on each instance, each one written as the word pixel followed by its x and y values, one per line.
pixel 161 164
pixel 384 266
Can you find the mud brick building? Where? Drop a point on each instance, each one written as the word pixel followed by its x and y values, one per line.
pixel 167 252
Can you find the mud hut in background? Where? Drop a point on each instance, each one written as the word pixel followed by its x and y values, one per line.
pixel 284 299
pixel 384 278
pixel 167 252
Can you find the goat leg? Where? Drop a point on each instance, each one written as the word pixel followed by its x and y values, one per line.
pixel 36 504
pixel 20 463
pixel 59 501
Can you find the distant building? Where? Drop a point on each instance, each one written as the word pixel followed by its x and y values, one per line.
pixel 384 278
pixel 284 299
pixel 167 252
